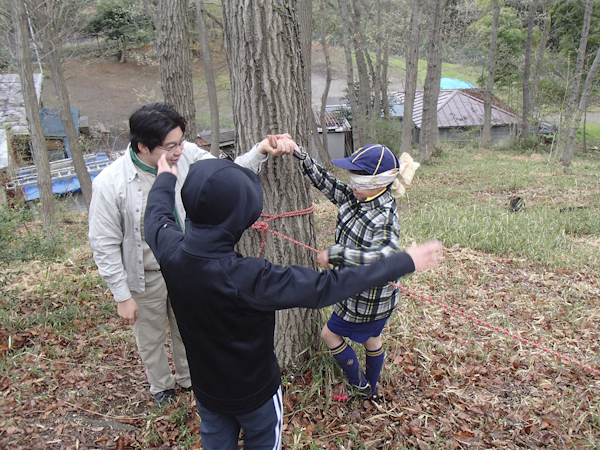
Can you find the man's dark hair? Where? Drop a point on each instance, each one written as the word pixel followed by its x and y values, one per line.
pixel 150 125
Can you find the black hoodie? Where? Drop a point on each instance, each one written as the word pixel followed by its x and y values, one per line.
pixel 224 303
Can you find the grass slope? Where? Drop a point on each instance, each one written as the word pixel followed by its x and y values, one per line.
pixel 71 378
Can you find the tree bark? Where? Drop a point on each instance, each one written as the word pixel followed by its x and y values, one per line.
pixel 153 13
pixel 175 62
pixel 211 86
pixel 385 103
pixel 268 95
pixel 585 95
pixel 323 144
pixel 429 137
pixel 51 21
pixel 410 82
pixel 378 53
pixel 576 81
pixel 539 60
pixel 357 132
pixel 487 95
pixel 53 59
pixel 527 71
pixel 364 83
pixel 39 149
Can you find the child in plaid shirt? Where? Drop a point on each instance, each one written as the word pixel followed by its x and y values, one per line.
pixel 367 229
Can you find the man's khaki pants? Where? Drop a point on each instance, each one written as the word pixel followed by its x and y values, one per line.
pixel 150 334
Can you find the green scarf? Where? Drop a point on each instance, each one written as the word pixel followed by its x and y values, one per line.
pixel 146 168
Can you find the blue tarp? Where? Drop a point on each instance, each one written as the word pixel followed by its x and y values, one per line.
pixel 68 185
pixel 52 124
pixel 455 83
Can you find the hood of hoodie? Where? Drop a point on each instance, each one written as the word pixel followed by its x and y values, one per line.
pixel 220 195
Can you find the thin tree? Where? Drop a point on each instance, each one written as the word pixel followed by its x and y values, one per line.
pixel 362 61
pixel 489 87
pixel 429 136
pixel 209 74
pixel 539 60
pixel 385 103
pixel 527 104
pixel 175 61
pixel 576 81
pixel 357 129
pixel 267 88
pixel 585 95
pixel 410 82
pixel 32 109
pixel 322 144
pixel 52 18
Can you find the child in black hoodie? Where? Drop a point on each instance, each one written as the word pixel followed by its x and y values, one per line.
pixel 225 303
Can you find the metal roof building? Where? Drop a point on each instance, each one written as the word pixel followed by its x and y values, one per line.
pixel 460 109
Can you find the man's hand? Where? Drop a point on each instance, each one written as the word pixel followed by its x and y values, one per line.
pixel 277 145
pixel 323 259
pixel 128 309
pixel 427 255
pixel 163 166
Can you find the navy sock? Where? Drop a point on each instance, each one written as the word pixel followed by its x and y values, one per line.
pixel 374 364
pixel 346 358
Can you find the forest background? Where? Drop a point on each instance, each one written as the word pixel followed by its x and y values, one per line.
pixel 70 374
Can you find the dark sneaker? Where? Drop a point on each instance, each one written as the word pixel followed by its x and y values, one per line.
pixel 361 392
pixel 163 398
pixel 186 389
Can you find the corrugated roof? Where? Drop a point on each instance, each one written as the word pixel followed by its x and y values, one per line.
pixel 12 108
pixel 334 120
pixel 456 108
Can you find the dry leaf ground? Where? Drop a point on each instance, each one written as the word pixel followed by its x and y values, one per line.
pixel 70 376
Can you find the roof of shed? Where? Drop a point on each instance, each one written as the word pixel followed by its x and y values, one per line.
pixel 334 120
pixel 461 108
pixel 12 107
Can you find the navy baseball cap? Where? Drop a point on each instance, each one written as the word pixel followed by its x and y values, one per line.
pixel 372 158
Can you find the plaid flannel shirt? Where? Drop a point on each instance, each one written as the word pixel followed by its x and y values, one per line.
pixel 365 232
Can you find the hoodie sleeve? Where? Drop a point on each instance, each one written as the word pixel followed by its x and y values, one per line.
pixel 160 228
pixel 273 287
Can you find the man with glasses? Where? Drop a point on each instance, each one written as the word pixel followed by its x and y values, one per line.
pixel 116 235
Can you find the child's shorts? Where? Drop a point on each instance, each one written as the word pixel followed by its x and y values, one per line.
pixel 358 332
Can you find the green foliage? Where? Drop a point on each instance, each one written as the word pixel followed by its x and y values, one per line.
pixel 511 45
pixel 121 20
pixel 567 21
pixel 384 131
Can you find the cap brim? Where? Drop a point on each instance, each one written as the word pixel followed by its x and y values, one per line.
pixel 345 163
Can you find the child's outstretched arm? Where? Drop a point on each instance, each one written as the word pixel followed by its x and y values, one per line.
pixel 335 190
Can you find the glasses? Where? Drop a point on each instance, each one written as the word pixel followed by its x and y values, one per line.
pixel 172 148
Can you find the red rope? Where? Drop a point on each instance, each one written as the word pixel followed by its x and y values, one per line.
pixel 263 227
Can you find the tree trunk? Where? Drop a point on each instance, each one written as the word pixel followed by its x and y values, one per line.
pixel 527 71
pixel 123 58
pixel 385 103
pixel 378 52
pixel 487 95
pixel 268 95
pixel 429 137
pixel 323 144
pixel 39 149
pixel 576 82
pixel 53 59
pixel 211 86
pixel 570 144
pixel 357 137
pixel 153 13
pixel 410 82
pixel 364 84
pixel 539 61
pixel 175 62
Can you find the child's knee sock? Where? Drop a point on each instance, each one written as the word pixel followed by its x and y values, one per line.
pixel 374 364
pixel 346 358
